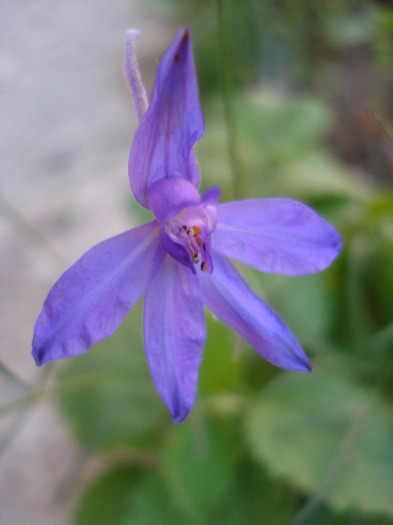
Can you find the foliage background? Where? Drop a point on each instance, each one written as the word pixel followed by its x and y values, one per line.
pixel 297 98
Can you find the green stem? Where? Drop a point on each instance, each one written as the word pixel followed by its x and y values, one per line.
pixel 226 82
pixel 30 232
pixel 307 512
pixel 10 374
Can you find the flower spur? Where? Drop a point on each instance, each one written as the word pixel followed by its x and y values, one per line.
pixel 180 260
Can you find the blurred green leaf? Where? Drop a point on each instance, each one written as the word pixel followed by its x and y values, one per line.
pixel 384 34
pixel 328 436
pixel 198 465
pixel 304 303
pixel 277 130
pixel 351 28
pixel 380 281
pixel 379 212
pixel 254 499
pixel 219 372
pixel 149 504
pixel 360 319
pixel 275 133
pixel 318 175
pixel 107 394
pixel 106 500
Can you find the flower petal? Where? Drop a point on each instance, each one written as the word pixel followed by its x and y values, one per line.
pixel 228 296
pixel 168 196
pixel 175 333
pixel 91 298
pixel 210 202
pixel 276 236
pixel 178 252
pixel 173 122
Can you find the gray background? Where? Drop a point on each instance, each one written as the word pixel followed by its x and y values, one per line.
pixel 66 125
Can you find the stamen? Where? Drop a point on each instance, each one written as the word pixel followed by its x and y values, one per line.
pixel 193 238
pixel 194 231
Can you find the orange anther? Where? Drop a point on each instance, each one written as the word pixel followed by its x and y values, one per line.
pixel 194 231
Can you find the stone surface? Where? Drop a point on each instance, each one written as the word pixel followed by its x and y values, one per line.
pixel 66 126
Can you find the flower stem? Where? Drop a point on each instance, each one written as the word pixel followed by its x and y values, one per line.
pixel 226 82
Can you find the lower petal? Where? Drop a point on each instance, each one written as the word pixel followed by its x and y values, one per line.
pixel 175 334
pixel 228 296
pixel 91 299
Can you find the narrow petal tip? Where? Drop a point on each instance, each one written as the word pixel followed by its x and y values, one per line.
pixel 37 357
pixel 43 354
pixel 308 366
pixel 299 361
pixel 182 42
pixel 181 416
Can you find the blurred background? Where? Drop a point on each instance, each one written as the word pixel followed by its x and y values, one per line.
pixel 298 102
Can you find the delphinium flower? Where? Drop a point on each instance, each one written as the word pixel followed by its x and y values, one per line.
pixel 180 260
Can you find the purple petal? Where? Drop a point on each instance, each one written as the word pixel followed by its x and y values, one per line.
pixel 276 236
pixel 228 296
pixel 168 196
pixel 178 252
pixel 173 122
pixel 91 298
pixel 210 203
pixel 175 333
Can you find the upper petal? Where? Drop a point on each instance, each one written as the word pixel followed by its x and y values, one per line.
pixel 175 334
pixel 91 298
pixel 173 122
pixel 276 236
pixel 228 296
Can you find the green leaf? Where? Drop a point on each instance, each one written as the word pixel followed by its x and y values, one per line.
pixel 303 302
pixel 107 394
pixel 360 313
pixel 254 499
pixel 105 501
pixel 219 372
pixel 319 175
pixel 350 29
pixel 326 435
pixel 150 504
pixel 197 465
pixel 380 281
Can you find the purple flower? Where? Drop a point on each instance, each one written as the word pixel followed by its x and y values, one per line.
pixel 180 259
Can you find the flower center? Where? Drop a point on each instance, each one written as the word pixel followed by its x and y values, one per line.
pixel 191 238
pixel 187 220
pixel 189 229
